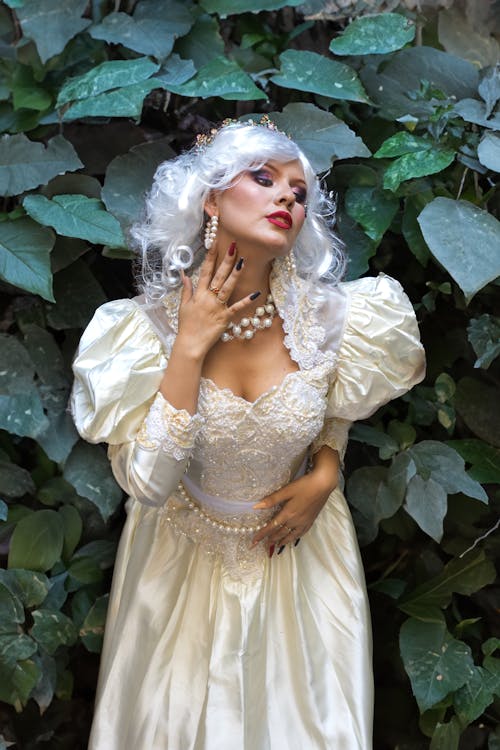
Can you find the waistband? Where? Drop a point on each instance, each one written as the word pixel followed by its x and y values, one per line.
pixel 224 505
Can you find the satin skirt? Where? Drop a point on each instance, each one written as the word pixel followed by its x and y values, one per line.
pixel 195 659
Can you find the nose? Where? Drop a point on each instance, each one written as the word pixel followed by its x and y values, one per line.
pixel 285 196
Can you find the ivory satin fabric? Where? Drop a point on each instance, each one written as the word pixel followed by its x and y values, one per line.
pixel 210 645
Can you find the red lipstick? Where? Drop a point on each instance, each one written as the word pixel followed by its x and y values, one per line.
pixel 281 219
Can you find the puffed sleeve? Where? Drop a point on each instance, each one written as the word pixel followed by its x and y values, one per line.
pixel 380 356
pixel 118 370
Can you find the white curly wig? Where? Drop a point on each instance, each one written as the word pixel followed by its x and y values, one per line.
pixel 170 235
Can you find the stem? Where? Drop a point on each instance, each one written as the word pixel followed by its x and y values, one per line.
pixel 462 181
pixel 480 538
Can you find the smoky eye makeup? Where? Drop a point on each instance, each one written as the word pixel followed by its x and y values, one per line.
pixel 300 196
pixel 262 176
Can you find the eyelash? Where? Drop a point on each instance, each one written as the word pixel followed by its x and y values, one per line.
pixel 263 178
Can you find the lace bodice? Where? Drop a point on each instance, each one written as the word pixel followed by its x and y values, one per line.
pixel 246 450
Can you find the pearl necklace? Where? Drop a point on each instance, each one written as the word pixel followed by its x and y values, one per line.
pixel 248 327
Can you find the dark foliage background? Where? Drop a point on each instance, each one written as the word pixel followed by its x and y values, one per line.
pixel 396 103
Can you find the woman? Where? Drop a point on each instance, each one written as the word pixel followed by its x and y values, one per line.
pixel 214 390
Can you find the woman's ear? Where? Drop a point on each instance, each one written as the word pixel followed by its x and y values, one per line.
pixel 211 206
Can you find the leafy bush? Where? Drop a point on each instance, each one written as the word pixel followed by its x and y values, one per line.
pixel 92 97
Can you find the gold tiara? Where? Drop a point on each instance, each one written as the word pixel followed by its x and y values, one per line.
pixel 205 139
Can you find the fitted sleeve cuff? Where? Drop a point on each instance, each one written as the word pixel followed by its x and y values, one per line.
pixel 172 430
pixel 335 435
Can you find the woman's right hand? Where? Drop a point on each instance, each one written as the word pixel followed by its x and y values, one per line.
pixel 203 314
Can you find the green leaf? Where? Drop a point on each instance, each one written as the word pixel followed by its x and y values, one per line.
pixel 25 164
pixel 373 209
pixel 76 216
pixel 320 135
pixel 436 663
pixel 16 646
pixel 484 335
pixel 124 102
pixel 389 82
pixel 11 610
pixel 417 164
pixel 411 229
pixel 115 74
pixel 92 629
pixel 88 470
pixel 83 571
pixel 441 463
pixel 426 503
pixel 479 406
pixel 462 575
pixel 37 541
pixel 26 92
pixel 73 526
pixel 129 176
pixel 485 459
pixel 476 695
pixel 202 44
pixel 363 433
pixel 374 35
pixel 230 7
pixel 102 552
pixel 465 240
pixel 17 681
pixel 460 33
pixel 43 692
pixel 52 629
pixel 25 256
pixel 14 480
pixel 488 151
pixel 472 110
pixel 219 77
pixel 174 72
pixel 21 409
pixel 51 24
pixel 403 143
pixel 446 736
pixel 489 86
pixel 77 296
pixel 27 586
pixel 149 36
pixel 309 71
pixel 369 493
pixel 361 247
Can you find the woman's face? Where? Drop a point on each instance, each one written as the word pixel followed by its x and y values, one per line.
pixel 265 208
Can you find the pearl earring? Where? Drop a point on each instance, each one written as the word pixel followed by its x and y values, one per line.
pixel 211 231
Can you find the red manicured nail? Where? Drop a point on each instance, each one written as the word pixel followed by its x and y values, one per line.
pixel 271 550
pixel 232 248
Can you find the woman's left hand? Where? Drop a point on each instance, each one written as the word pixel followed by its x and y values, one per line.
pixel 301 502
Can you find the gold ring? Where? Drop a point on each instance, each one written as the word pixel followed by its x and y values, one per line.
pixel 275 523
pixel 288 528
pixel 214 289
pixel 222 302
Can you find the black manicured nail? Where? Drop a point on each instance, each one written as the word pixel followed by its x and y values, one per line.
pixel 296 542
pixel 239 264
pixel 254 295
pixel 281 549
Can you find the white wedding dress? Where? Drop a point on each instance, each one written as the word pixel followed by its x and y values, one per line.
pixel 211 645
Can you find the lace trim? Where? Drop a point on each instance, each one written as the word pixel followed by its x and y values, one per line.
pixel 239 560
pixel 334 434
pixel 172 430
pixel 304 333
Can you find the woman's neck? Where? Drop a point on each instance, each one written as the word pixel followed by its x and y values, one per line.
pixel 254 277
